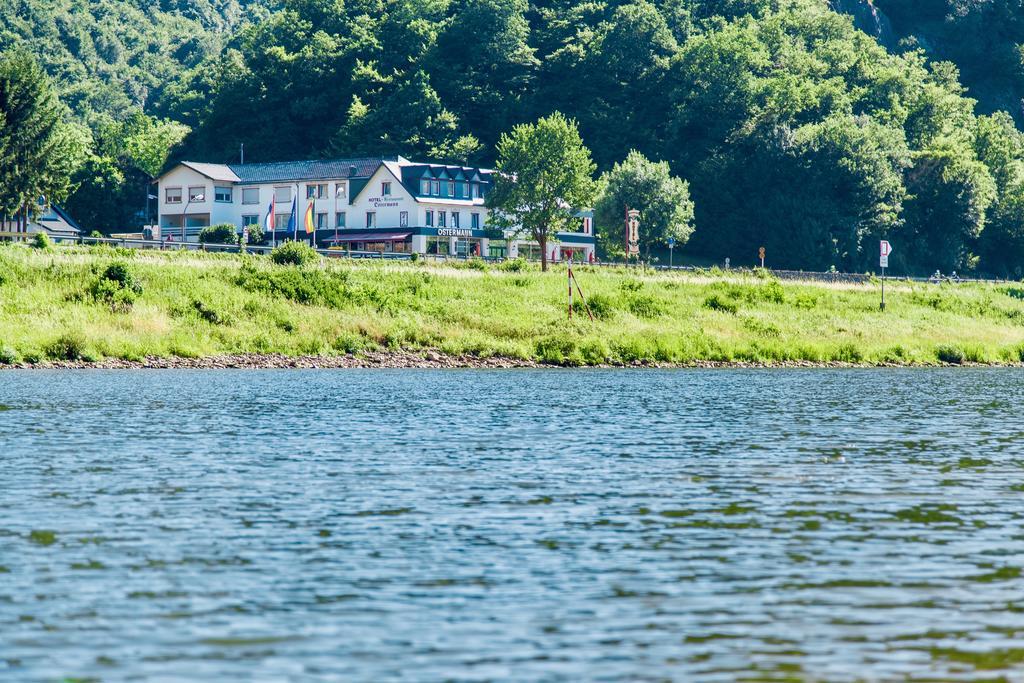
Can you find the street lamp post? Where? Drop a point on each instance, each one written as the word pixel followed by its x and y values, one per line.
pixel 199 198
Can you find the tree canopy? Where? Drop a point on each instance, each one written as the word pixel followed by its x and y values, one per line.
pixel 793 127
pixel 543 176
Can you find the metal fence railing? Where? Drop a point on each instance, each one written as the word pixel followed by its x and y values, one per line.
pixel 827 276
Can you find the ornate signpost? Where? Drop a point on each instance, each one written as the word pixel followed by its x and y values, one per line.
pixel 632 233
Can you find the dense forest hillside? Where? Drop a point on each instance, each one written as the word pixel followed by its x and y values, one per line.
pixel 807 126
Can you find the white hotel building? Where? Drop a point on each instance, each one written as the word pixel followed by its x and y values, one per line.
pixel 371 204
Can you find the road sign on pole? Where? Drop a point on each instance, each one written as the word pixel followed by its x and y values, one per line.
pixel 671 248
pixel 760 254
pixel 884 249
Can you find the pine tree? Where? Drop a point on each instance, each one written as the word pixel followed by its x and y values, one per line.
pixel 40 151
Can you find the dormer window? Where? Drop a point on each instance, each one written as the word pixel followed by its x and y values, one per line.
pixel 437 188
pixel 425 188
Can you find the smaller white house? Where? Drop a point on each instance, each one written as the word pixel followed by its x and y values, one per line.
pixel 381 204
pixel 49 219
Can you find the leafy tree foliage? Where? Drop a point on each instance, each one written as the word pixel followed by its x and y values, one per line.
pixel 40 149
pixel 795 130
pixel 666 211
pixel 544 173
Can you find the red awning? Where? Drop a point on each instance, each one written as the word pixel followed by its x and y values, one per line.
pixel 370 237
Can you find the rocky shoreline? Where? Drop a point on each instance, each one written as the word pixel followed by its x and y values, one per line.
pixel 394 360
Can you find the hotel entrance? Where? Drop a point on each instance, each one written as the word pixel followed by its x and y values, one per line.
pixel 467 247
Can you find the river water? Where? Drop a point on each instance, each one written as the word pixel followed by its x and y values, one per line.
pixel 511 525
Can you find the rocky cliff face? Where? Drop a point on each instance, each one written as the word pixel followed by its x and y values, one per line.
pixel 868 18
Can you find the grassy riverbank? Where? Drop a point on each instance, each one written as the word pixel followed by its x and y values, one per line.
pixel 69 304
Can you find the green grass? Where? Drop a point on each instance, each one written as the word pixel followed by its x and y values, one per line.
pixel 78 303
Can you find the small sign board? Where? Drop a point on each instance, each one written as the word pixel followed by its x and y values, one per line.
pixel 671 242
pixel 760 252
pixel 884 249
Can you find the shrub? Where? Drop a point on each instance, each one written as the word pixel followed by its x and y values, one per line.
pixel 96 234
pixel 256 235
pixel 42 242
pixel 645 306
pixel 117 287
pixel 603 307
pixel 515 265
pixel 70 346
pixel 717 303
pixel 557 350
pixel 223 233
pixel 121 273
pixel 761 328
pixel 631 285
pixel 294 254
pixel 414 256
pixel 8 356
pixel 208 314
pixel 953 355
pixel 848 353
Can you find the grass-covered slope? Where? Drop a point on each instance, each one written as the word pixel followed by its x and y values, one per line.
pixel 79 303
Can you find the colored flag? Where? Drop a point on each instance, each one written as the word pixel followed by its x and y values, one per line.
pixel 309 218
pixel 310 226
pixel 293 223
pixel 269 221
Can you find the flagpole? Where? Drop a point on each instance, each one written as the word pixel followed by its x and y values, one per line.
pixel 295 211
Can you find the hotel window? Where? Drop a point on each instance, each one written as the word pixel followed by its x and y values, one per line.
pixel 321 191
pixel 251 195
pixel 340 189
pixel 440 219
pixel 451 188
pixel 474 221
pixel 197 194
pixel 172 195
pixel 371 219
pixel 281 221
pixel 403 219
pixel 385 189
pixel 455 219
pixel 430 219
pixel 222 194
pixel 425 187
pixel 436 188
pixel 321 221
pixel 250 220
pixel 339 219
pixel 310 191
pixel 282 194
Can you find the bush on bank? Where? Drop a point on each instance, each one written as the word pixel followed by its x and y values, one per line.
pixel 80 302
pixel 223 233
pixel 294 254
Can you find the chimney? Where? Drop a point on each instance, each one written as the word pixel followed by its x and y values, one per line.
pixel 352 171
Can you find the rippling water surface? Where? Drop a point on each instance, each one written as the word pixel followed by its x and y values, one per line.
pixel 524 525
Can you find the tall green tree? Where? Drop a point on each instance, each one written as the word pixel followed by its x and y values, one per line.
pixel 43 149
pixel 666 210
pixel 544 174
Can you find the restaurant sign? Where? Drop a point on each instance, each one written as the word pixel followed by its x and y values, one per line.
pixel 454 232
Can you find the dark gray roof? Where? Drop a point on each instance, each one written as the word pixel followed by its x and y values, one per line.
pixel 284 171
